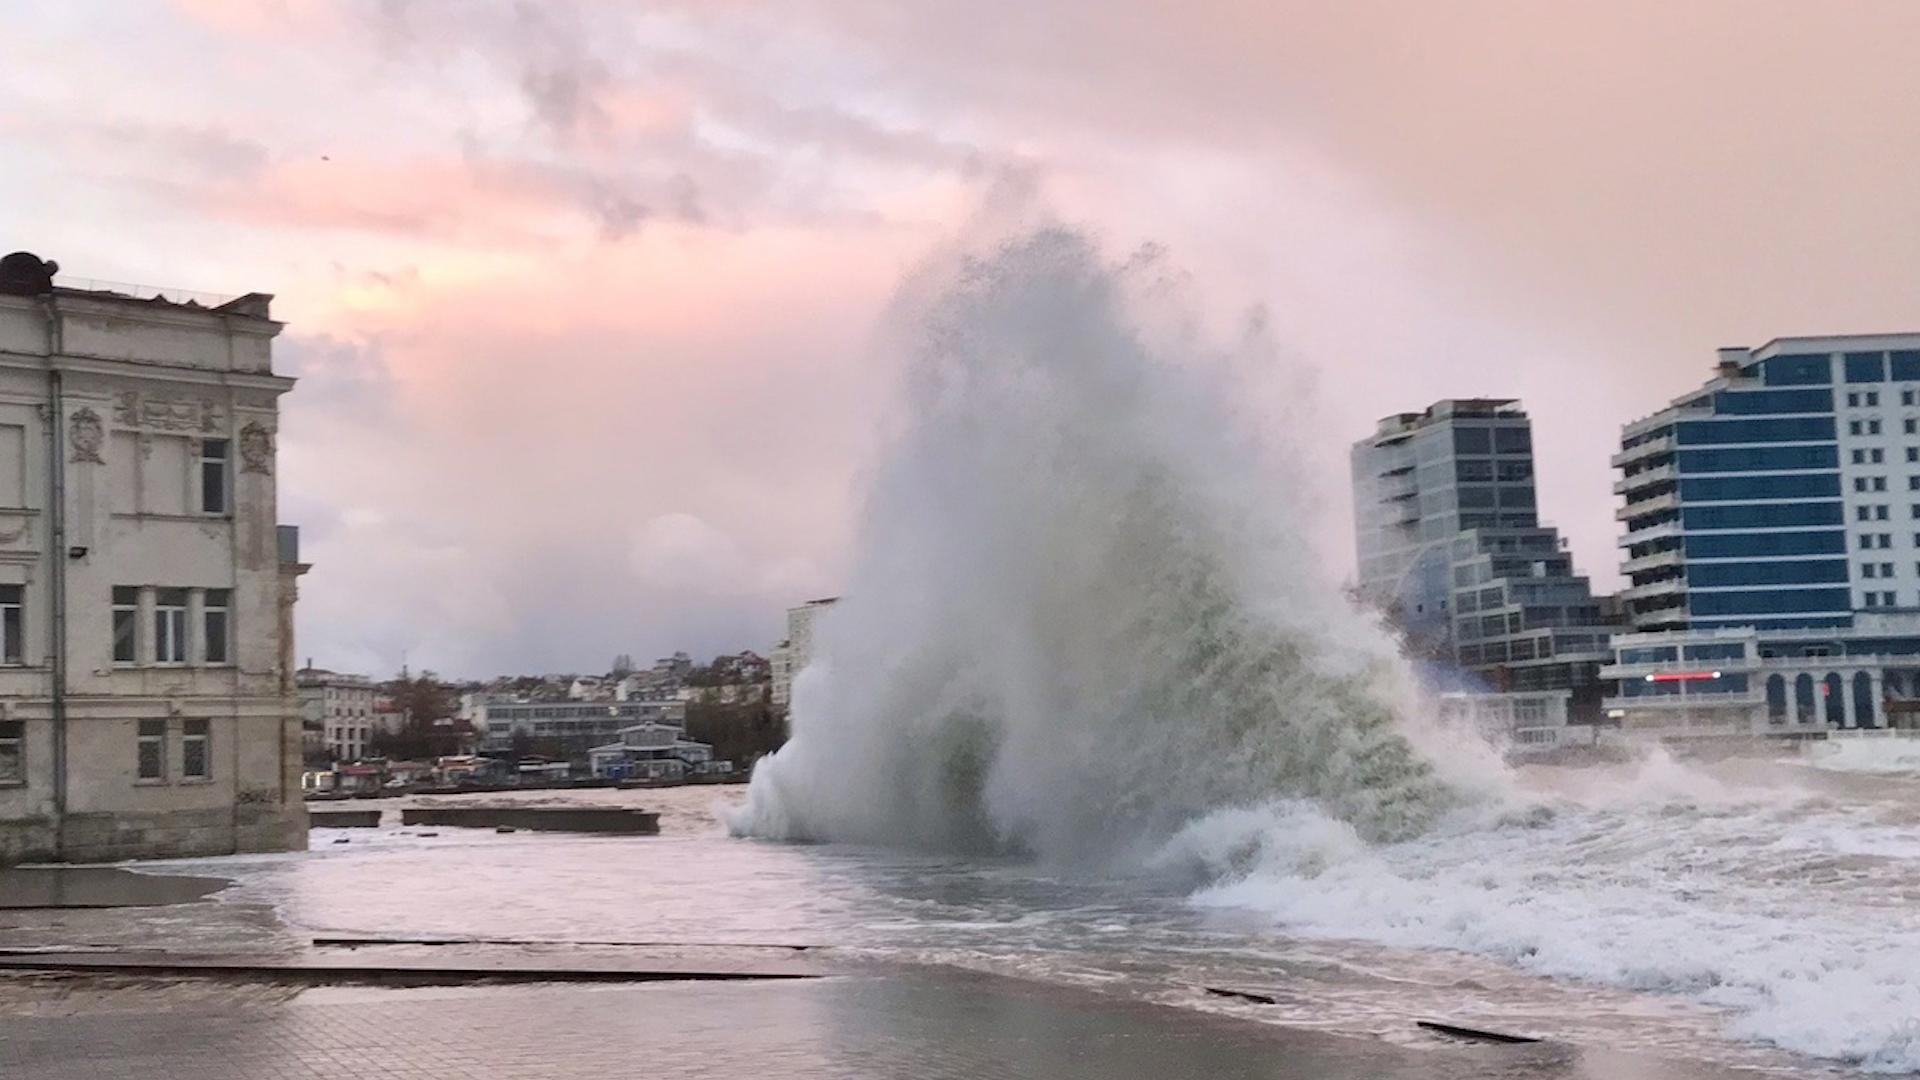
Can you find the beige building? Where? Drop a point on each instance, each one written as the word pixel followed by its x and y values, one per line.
pixel 342 708
pixel 792 655
pixel 146 593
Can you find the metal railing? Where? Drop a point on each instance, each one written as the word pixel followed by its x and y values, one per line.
pixel 144 292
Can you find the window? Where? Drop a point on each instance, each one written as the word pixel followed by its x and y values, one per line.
pixel 1876 455
pixel 1873 398
pixel 1873 427
pixel 1906 398
pixel 1866 570
pixel 1866 541
pixel 195 761
pixel 1866 367
pixel 1879 483
pixel 1886 599
pixel 153 750
pixel 218 614
pixel 13 756
pixel 1913 453
pixel 12 635
pixel 1859 483
pixel 170 626
pixel 1910 426
pixel 1859 456
pixel 1853 428
pixel 1871 599
pixel 1853 400
pixel 213 476
pixel 1880 513
pixel 1886 541
pixel 1863 513
pixel 126 613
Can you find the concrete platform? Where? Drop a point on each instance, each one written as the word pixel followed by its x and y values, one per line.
pixel 343 819
pixel 592 819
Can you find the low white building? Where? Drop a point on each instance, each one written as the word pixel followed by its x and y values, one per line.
pixel 1521 724
pixel 574 727
pixel 655 752
pixel 147 703
pixel 1787 683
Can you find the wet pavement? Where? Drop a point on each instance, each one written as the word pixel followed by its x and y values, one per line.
pixel 98 887
pixel 907 1023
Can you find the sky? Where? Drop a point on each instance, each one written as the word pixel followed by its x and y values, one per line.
pixel 582 294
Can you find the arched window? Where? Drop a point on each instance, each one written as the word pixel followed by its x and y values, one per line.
pixel 1776 699
pixel 1863 700
pixel 1833 688
pixel 1803 700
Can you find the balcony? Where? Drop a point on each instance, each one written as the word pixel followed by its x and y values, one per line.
pixel 1646 478
pixel 1655 505
pixel 1664 587
pixel 1665 444
pixel 1656 561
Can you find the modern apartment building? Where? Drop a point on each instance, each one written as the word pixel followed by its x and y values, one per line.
pixel 793 654
pixel 1450 546
pixel 1772 541
pixel 567 728
pixel 147 702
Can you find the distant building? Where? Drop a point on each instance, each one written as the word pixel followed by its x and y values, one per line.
pixel 655 752
pixel 147 703
pixel 342 706
pixel 570 727
pixel 1772 544
pixel 1451 547
pixel 791 656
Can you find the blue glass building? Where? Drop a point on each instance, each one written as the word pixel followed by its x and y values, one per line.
pixel 1772 522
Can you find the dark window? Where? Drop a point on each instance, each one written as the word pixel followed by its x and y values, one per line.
pixel 1772 486
pixel 1863 699
pixel 126 612
pixel 1473 470
pixel 1776 699
pixel 217 621
pixel 1751 402
pixel 13 753
pixel 1865 367
pixel 1472 440
pixel 1792 572
pixel 195 761
pixel 213 476
pixel 1782 429
pixel 1763 601
pixel 1752 516
pixel 170 626
pixel 1873 428
pixel 1758 459
pixel 1906 365
pixel 1751 545
pixel 153 750
pixel 12 630
pixel 1798 369
pixel 1512 440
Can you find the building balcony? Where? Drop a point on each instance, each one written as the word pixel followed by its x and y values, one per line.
pixel 1659 560
pixel 1655 505
pixel 1646 478
pixel 1672 586
pixel 1665 444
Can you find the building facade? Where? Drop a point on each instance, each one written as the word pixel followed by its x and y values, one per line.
pixel 147 705
pixel 1772 544
pixel 792 655
pixel 342 707
pixel 572 728
pixel 1450 546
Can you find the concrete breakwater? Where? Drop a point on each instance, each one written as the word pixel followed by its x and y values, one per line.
pixel 597 819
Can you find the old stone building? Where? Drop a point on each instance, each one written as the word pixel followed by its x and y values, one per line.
pixel 147 705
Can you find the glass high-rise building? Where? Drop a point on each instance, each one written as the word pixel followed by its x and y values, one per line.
pixel 1451 547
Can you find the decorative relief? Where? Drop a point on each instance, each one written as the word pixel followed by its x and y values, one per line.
pixel 256 448
pixel 86 434
pixel 13 530
pixel 134 409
